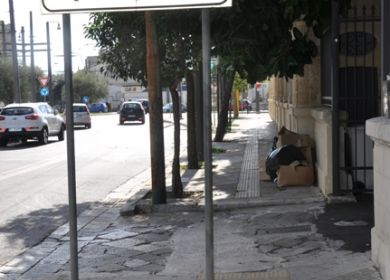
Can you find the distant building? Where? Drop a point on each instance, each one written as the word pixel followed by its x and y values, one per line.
pixel 119 90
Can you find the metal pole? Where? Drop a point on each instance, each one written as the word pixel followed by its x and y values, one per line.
pixel 257 100
pixel 335 98
pixel 385 39
pixel 49 74
pixel 23 46
pixel 15 66
pixel 4 38
pixel 33 87
pixel 207 145
pixel 70 147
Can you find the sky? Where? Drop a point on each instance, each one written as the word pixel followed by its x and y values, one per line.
pixel 81 47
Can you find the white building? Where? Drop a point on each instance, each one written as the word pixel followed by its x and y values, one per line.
pixel 119 90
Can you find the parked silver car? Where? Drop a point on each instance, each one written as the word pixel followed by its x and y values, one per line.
pixel 81 115
pixel 23 121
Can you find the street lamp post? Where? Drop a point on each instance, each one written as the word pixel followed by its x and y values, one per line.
pixel 23 46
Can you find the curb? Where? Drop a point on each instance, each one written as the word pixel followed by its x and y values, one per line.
pixel 145 206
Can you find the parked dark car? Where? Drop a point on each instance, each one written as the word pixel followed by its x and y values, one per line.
pixel 131 111
pixel 98 108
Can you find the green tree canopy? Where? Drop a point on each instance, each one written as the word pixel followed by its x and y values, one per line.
pixel 258 37
pixel 7 81
pixel 89 84
pixel 253 37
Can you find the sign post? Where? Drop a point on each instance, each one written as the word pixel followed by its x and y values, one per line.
pixel 43 81
pixel 67 7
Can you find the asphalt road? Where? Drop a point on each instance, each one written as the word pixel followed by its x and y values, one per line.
pixel 33 178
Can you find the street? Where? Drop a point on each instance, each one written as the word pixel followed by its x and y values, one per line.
pixel 33 178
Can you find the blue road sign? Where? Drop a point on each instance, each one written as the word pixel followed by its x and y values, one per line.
pixel 44 91
pixel 85 99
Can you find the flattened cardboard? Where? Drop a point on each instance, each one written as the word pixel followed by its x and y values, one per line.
pixel 287 137
pixel 290 175
pixel 263 174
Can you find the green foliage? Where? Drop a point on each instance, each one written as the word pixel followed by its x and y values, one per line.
pixel 239 83
pixel 121 37
pixel 215 150
pixel 258 36
pixel 89 84
pixel 254 38
pixel 7 81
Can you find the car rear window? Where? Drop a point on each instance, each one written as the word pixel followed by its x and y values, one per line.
pixel 79 109
pixel 17 111
pixel 131 106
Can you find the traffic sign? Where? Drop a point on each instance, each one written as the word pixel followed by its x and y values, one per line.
pixel 43 81
pixel 90 6
pixel 44 91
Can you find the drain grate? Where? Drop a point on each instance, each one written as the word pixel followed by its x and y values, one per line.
pixel 267 275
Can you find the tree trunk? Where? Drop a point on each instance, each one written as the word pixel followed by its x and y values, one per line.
pixel 199 113
pixel 177 186
pixel 157 156
pixel 191 129
pixel 226 92
pixel 236 106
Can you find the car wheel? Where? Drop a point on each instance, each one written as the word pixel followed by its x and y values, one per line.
pixel 88 126
pixel 3 142
pixel 44 137
pixel 121 122
pixel 61 134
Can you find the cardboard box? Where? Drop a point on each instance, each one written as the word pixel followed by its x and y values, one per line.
pixel 263 174
pixel 295 175
pixel 287 137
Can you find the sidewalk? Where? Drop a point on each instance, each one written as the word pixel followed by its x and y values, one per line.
pixel 260 232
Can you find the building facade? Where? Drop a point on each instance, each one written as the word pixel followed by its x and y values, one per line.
pixel 339 103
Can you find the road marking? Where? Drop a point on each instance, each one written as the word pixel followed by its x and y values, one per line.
pixel 26 169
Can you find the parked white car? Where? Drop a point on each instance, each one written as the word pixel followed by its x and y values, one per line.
pixel 81 115
pixel 23 121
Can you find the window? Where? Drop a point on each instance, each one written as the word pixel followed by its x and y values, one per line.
pixel 43 109
pixel 17 111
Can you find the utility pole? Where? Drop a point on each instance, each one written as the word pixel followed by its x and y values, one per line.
pixel 15 68
pixel 33 86
pixel 23 46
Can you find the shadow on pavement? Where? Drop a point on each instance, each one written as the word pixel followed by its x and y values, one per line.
pixel 350 222
pixel 30 229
